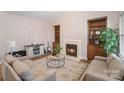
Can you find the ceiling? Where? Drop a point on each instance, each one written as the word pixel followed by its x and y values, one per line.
pixel 48 16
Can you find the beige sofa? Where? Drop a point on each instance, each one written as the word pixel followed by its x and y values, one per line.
pixel 14 69
pixel 109 68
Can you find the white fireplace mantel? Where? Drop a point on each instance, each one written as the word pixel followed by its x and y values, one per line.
pixel 78 43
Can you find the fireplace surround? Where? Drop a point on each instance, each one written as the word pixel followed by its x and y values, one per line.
pixel 74 49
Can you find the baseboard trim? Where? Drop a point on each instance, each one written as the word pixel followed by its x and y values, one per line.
pixel 84 58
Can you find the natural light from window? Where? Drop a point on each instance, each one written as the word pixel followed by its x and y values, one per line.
pixel 122 34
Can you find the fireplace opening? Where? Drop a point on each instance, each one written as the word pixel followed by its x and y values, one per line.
pixel 71 50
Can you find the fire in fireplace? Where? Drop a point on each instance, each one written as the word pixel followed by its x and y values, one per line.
pixel 71 50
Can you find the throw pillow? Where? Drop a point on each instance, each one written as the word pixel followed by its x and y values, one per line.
pixel 22 70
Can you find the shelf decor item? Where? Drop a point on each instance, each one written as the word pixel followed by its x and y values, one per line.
pixel 109 40
pixel 97 32
pixel 97 42
pixel 91 35
pixel 48 47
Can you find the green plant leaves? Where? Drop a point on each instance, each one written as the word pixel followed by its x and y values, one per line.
pixel 109 40
pixel 57 48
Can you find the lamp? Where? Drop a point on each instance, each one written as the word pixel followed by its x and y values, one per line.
pixel 11 45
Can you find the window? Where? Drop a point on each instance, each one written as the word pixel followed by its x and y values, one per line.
pixel 122 34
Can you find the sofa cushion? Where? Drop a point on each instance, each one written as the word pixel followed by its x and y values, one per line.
pixel 116 69
pixel 10 59
pixel 29 63
pixel 22 70
pixel 97 67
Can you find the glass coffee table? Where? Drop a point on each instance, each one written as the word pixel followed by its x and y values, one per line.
pixel 56 61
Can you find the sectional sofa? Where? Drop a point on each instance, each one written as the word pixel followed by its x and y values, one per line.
pixel 101 69
pixel 14 69
pixel 109 68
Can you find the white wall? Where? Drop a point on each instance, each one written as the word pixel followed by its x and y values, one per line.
pixel 2 33
pixel 73 26
pixel 23 30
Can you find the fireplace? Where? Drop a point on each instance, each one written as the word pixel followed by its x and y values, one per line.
pixel 71 50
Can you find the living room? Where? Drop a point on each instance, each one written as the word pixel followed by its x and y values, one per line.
pixel 66 46
pixel 20 30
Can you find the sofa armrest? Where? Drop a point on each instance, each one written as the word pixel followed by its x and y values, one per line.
pixel 98 77
pixel 100 58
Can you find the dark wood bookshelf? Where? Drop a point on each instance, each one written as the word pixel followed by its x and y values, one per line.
pixel 94 29
pixel 57 33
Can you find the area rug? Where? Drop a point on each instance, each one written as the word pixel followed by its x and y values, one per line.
pixel 71 71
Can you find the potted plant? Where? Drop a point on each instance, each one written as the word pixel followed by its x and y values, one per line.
pixel 56 48
pixel 109 40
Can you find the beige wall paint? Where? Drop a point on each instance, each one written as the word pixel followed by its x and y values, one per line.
pixel 23 30
pixel 73 26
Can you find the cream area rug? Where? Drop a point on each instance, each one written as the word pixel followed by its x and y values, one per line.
pixel 71 71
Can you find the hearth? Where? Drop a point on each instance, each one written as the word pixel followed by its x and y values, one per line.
pixel 71 50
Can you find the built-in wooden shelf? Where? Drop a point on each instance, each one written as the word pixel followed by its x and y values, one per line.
pixel 57 33
pixel 94 29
